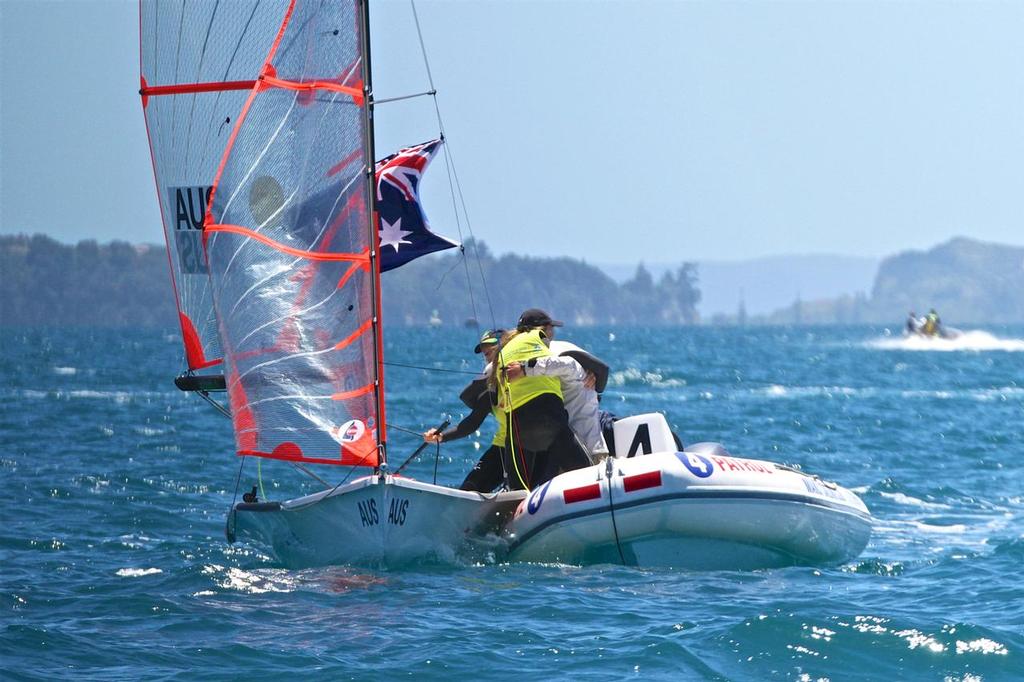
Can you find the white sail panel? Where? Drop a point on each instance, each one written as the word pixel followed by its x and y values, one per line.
pixel 288 247
pixel 199 61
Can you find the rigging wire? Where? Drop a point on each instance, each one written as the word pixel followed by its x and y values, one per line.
pixel 432 369
pixel 455 188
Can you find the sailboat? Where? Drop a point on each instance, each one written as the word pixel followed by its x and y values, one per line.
pixel 279 225
pixel 260 122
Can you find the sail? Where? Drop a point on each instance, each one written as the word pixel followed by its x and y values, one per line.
pixel 198 62
pixel 288 246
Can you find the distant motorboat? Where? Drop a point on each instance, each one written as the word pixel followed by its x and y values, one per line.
pixel 918 326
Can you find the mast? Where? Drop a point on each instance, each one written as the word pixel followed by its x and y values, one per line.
pixel 371 210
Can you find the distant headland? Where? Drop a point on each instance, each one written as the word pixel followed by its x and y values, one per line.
pixel 46 282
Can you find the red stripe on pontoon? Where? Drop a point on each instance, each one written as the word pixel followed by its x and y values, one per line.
pixel 651 479
pixel 587 492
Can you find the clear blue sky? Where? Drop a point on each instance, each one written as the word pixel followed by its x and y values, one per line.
pixel 612 131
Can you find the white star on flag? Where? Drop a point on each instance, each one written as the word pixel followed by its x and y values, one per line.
pixel 392 234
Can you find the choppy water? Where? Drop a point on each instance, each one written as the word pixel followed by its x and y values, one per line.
pixel 113 563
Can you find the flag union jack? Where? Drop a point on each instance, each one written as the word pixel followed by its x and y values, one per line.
pixel 404 231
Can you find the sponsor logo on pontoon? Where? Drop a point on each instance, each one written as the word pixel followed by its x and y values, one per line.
pixel 735 464
pixel 536 498
pixel 368 513
pixel 396 513
pixel 351 431
pixel 699 465
pixel 187 210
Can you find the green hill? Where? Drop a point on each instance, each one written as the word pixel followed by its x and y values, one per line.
pixel 967 281
pixel 45 282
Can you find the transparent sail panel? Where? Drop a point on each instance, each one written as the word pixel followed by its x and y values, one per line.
pixel 221 46
pixel 288 251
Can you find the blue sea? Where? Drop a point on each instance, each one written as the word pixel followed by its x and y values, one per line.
pixel 113 562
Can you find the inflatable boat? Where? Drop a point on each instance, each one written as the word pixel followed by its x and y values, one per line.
pixel 698 508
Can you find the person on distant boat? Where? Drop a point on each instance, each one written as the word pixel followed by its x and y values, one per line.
pixel 931 323
pixel 582 377
pixel 912 322
pixel 540 443
pixel 489 471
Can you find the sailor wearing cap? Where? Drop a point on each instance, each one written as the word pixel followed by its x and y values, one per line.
pixel 581 375
pixel 540 442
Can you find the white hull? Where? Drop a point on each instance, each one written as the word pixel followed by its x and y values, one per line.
pixel 689 510
pixel 376 521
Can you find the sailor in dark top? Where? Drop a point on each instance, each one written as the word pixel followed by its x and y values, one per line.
pixel 489 471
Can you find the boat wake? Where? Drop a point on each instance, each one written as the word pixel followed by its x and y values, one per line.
pixel 971 340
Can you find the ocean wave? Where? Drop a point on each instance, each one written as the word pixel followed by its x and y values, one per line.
pixel 632 376
pixel 137 572
pixel 778 391
pixel 901 498
pixel 252 582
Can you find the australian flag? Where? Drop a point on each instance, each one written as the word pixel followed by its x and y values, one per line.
pixel 403 228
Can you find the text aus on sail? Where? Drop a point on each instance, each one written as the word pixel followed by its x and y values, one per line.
pixel 188 206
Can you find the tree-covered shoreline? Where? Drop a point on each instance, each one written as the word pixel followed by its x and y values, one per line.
pixel 48 283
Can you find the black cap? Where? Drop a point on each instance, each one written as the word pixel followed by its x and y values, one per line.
pixel 489 338
pixel 535 317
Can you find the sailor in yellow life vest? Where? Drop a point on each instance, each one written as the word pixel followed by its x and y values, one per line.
pixel 540 443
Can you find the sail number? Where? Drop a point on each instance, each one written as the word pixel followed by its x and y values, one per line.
pixel 370 516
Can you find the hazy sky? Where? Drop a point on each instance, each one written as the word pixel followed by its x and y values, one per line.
pixel 611 131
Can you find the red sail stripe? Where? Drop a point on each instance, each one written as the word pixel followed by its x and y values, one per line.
pixel 289 457
pixel 270 81
pixel 312 255
pixel 241 117
pixel 582 494
pixel 193 346
pixel 185 88
pixel 355 393
pixel 338 167
pixel 352 270
pixel 651 479
pixel 354 335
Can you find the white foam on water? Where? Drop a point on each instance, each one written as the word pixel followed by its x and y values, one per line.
pixel 972 340
pixel 251 582
pixel 137 572
pixel 777 391
pixel 900 498
pixel 65 371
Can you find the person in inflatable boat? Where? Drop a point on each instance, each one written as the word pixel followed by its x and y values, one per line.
pixel 539 442
pixel 489 471
pixel 581 375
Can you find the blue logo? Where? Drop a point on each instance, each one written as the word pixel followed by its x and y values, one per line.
pixel 536 498
pixel 699 465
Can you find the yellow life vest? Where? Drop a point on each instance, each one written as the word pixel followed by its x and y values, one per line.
pixel 522 348
pixel 499 435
